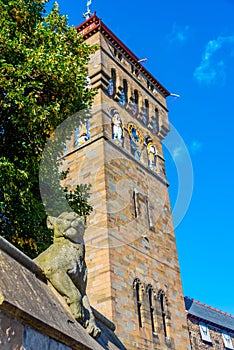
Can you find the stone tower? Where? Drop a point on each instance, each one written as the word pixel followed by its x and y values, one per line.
pixel 134 276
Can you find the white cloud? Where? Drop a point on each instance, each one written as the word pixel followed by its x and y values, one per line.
pixel 211 69
pixel 178 34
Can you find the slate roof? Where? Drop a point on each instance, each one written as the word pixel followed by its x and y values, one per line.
pixel 209 314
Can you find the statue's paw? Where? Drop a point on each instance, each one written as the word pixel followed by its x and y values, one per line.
pixel 92 329
pixel 78 312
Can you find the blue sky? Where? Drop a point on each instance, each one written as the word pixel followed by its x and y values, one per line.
pixel 190 50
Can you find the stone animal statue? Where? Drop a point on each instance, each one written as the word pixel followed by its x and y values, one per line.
pixel 64 266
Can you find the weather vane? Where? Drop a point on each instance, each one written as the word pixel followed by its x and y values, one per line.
pixel 88 14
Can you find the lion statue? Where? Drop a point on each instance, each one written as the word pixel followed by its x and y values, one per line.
pixel 64 266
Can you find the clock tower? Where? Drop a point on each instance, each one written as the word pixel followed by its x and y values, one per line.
pixel 134 277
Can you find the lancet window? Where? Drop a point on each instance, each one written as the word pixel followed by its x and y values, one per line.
pixel 113 77
pixel 163 307
pixel 145 114
pixel 125 89
pixel 136 97
pixel 138 297
pixel 151 307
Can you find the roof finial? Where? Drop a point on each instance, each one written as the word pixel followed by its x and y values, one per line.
pixel 88 14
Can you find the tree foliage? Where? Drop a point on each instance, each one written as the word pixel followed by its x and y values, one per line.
pixel 43 67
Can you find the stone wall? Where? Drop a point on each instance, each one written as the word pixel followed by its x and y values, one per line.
pixel 34 316
pixel 197 343
pixel 15 335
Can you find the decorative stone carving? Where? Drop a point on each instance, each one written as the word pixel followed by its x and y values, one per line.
pixel 122 98
pixel 151 152
pixel 110 88
pixel 64 266
pixel 82 133
pixel 117 127
pixel 136 140
pixel 133 107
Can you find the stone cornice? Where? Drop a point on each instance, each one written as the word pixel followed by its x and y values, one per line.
pixel 94 24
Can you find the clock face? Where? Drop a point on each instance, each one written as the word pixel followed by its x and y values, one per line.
pixel 135 134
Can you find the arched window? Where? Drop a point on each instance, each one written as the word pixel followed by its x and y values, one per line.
pixel 136 97
pixel 137 287
pixel 145 115
pixel 134 103
pixel 147 106
pixel 120 56
pixel 125 88
pixel 155 121
pixel 151 307
pixel 163 306
pixel 113 77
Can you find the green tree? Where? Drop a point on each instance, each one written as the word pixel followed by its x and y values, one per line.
pixel 43 68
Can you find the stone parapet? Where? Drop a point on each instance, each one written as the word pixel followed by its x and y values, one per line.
pixel 33 315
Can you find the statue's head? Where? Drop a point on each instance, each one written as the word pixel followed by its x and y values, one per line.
pixel 116 115
pixel 69 225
